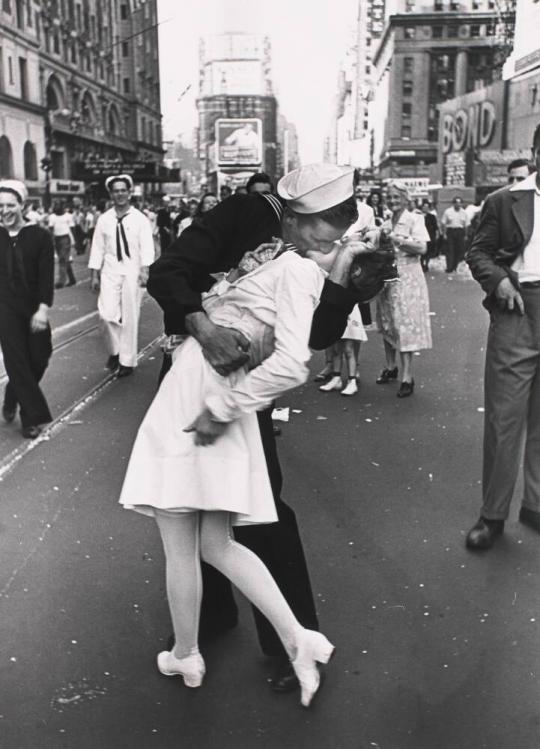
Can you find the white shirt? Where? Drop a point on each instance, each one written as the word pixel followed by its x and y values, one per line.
pixel 366 219
pixel 276 300
pixel 527 265
pixel 452 219
pixel 139 238
pixel 60 225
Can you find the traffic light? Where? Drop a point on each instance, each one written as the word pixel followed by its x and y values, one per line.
pixel 46 163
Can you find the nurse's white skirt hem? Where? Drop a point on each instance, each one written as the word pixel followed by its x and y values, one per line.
pixel 168 471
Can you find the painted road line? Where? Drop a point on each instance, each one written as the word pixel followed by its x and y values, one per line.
pixel 11 460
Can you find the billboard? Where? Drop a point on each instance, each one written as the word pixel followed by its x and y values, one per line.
pixel 239 142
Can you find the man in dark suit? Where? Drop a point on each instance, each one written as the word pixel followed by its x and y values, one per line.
pixel 504 258
pixel 317 208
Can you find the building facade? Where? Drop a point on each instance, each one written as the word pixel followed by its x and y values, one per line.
pixel 22 121
pixel 91 73
pixel 522 71
pixel 429 53
pixel 238 131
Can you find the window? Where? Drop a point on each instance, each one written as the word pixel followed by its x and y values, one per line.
pixel 123 12
pixel 126 85
pixel 438 5
pixel 19 11
pixel 10 70
pixel 408 64
pixel 74 52
pixel 406 132
pixel 56 43
pixel 6 158
pixel 1 69
pixel 6 6
pixel 125 49
pixel 143 128
pixel 23 77
pixel 406 109
pixel 452 32
pixel 475 30
pixel 437 32
pixel 407 88
pixel 30 161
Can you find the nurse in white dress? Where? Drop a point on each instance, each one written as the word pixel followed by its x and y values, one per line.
pixel 198 464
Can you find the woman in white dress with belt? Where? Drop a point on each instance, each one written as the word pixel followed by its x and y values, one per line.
pixel 198 465
pixel 403 307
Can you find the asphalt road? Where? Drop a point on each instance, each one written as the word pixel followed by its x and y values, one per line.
pixel 437 648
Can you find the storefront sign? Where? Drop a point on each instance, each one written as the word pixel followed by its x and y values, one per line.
pixel 67 187
pixel 96 169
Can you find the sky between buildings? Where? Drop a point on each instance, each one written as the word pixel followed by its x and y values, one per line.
pixel 309 39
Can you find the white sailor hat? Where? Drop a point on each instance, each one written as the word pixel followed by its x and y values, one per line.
pixel 16 186
pixel 316 187
pixel 119 178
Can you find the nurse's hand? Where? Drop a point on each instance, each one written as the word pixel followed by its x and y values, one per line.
pixel 206 429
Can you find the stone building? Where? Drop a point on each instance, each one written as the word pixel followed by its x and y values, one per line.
pixel 429 52
pixel 87 74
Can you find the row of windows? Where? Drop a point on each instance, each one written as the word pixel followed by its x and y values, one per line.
pixel 29 160
pixel 440 31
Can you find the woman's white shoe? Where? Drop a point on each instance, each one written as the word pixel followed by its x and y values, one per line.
pixel 311 648
pixel 333 384
pixel 351 388
pixel 191 668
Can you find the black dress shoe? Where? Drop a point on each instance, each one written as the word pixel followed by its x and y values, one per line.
pixel 284 679
pixel 482 535
pixel 387 375
pixel 31 433
pixel 8 414
pixel 125 371
pixel 58 285
pixel 405 389
pixel 113 362
pixel 530 518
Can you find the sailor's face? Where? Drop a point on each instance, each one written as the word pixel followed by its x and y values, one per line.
pixel 10 210
pixel 120 194
pixel 313 237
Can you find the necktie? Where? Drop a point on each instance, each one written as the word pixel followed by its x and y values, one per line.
pixel 121 234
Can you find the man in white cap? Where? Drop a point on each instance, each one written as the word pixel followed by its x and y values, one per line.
pixel 316 208
pixel 122 251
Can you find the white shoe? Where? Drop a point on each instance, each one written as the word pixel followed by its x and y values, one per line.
pixel 191 668
pixel 351 388
pixel 334 383
pixel 311 648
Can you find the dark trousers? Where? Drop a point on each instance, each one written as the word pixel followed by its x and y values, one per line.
pixel 278 545
pixel 455 248
pixel 512 408
pixel 62 246
pixel 26 356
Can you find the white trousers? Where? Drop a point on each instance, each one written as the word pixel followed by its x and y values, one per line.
pixel 119 306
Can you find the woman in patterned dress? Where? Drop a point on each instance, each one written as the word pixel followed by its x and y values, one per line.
pixel 403 307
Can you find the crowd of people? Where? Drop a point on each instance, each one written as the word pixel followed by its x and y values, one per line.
pixel 249 285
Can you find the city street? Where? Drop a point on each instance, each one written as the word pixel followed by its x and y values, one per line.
pixel 437 648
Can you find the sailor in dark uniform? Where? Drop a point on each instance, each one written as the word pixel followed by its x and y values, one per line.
pixel 316 208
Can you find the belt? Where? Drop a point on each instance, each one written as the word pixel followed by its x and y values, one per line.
pixel 530 285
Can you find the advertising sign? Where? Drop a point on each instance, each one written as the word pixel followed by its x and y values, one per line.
pixel 67 187
pixel 95 169
pixel 472 120
pixel 239 142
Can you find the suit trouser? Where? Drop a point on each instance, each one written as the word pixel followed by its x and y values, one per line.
pixel 280 548
pixel 455 248
pixel 26 356
pixel 512 407
pixel 119 307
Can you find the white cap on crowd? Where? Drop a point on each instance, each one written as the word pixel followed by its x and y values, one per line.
pixel 126 178
pixel 316 187
pixel 16 186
